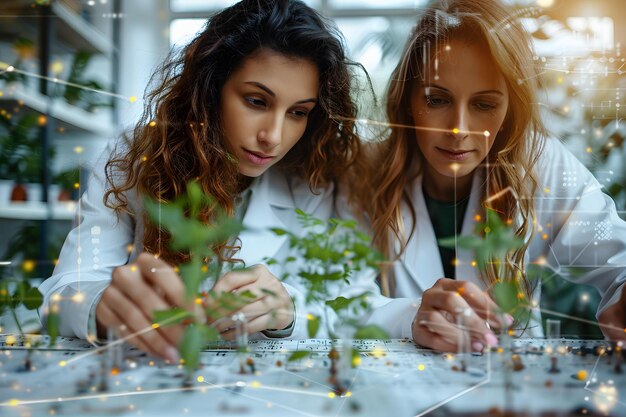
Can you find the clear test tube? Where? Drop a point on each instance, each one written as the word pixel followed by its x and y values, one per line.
pixel 115 349
pixel 464 344
pixel 241 338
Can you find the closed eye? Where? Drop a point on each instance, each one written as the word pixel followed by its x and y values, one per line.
pixel 485 106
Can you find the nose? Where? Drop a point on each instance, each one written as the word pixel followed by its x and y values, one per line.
pixel 270 133
pixel 460 129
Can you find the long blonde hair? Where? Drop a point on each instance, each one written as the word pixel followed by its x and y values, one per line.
pixel 516 148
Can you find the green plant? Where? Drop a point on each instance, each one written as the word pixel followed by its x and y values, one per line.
pixel 329 253
pixel 191 235
pixel 80 91
pixel 23 249
pixel 17 292
pixel 492 242
pixel 25 49
pixel 20 148
pixel 67 180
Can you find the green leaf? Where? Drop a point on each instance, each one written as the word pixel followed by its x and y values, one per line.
pixel 172 316
pixel 298 355
pixel 505 295
pixel 53 323
pixel 191 344
pixel 33 299
pixel 279 232
pixel 313 325
pixel 371 332
pixel 342 303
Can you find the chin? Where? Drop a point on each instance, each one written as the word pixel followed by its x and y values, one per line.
pixel 252 172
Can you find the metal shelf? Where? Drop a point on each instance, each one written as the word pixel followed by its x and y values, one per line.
pixel 70 117
pixel 35 210
pixel 74 32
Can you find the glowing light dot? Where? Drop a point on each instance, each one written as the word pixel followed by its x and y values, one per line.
pixel 42 120
pixel 544 236
pixel 155 325
pixel 204 268
pixel 331 395
pixel 348 394
pixel 421 367
pixel 310 316
pixel 487 229
pixel 454 167
pixel 477 217
pixel 132 99
pixel 57 67
pixel 546 190
pixel 14 402
pixel 152 123
pixel 77 185
pixel 559 80
pixel 133 268
pixel 589 149
pixel 356 361
pixel 56 297
pixel 455 130
pixel 200 378
pixel 28 265
pixel 474 263
pixel 486 133
pixel 255 384
pixel 78 149
pixel 79 297
pixel 144 158
pixel 448 47
pixel 198 301
pixel 10 68
pixel 455 262
pixel 62 363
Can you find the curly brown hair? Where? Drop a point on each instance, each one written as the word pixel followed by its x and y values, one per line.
pixel 179 137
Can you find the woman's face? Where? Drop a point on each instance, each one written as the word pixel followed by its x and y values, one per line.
pixel 265 106
pixel 458 109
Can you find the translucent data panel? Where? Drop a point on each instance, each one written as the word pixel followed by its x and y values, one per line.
pixel 212 5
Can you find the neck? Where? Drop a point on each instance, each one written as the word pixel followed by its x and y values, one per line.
pixel 243 183
pixel 447 189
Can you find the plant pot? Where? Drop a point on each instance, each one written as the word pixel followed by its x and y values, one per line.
pixel 18 193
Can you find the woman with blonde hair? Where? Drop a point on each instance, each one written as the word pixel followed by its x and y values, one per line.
pixel 247 111
pixel 466 136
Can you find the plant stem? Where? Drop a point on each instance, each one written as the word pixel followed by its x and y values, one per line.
pixel 17 322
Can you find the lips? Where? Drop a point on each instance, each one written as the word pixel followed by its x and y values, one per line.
pixel 258 158
pixel 455 154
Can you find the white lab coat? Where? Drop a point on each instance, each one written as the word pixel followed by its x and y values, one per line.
pixel 580 228
pixel 100 243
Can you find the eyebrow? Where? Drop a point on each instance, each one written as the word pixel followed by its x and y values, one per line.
pixel 479 92
pixel 271 93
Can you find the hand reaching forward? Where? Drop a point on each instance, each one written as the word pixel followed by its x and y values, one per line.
pixel 135 292
pixel 435 325
pixel 271 308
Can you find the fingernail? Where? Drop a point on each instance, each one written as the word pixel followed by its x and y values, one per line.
pixel 477 346
pixel 509 319
pixel 491 339
pixel 171 354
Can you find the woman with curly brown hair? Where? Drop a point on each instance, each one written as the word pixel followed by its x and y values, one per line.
pixel 247 110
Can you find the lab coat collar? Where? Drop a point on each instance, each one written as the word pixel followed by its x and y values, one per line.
pixel 271 194
pixel 421 257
